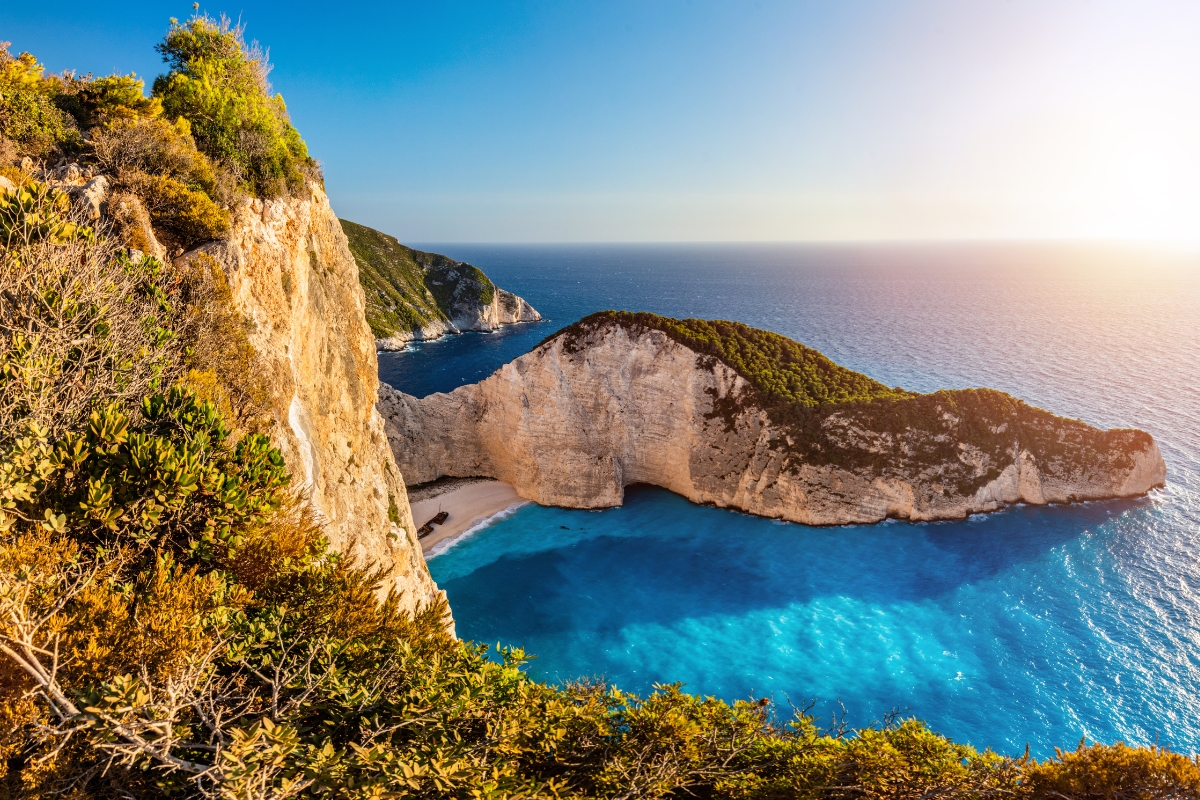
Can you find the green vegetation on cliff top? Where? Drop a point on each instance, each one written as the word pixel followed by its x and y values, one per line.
pixel 210 132
pixel 407 288
pixel 783 370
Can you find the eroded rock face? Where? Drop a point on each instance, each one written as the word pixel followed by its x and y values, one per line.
pixel 572 424
pixel 292 276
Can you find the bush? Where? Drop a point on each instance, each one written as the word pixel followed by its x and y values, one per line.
pixel 106 101
pixel 189 215
pixel 28 114
pixel 156 147
pixel 176 183
pixel 219 83
pixel 1100 772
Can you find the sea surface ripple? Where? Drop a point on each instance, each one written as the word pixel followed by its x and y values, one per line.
pixel 1038 625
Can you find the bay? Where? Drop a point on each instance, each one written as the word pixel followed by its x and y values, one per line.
pixel 1036 625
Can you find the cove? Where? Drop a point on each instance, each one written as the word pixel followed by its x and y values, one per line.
pixel 984 628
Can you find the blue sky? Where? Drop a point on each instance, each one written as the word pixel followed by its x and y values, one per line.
pixel 688 120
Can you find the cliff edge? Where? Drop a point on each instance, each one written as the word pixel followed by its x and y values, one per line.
pixel 294 280
pixel 740 418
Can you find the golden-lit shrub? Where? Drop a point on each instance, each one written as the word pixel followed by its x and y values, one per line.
pixel 188 215
pixel 223 365
pixel 219 83
pixel 29 116
pixel 1116 772
pixel 154 147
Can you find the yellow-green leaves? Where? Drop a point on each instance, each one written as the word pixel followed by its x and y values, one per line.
pixel 37 212
pixel 219 85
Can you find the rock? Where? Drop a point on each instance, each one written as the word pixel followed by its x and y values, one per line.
pixel 92 197
pixel 428 331
pixel 70 173
pixel 6 185
pixel 572 423
pixel 293 278
pixel 27 165
pixel 133 224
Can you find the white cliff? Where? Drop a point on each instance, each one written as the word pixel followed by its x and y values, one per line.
pixel 585 415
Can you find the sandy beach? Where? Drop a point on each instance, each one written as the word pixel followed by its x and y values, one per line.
pixel 467 501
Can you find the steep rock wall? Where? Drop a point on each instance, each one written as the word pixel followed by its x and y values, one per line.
pixel 293 278
pixel 572 425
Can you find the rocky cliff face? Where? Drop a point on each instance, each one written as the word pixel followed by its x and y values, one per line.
pixel 292 276
pixel 586 414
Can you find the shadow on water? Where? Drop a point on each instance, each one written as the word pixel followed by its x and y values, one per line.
pixel 444 364
pixel 727 563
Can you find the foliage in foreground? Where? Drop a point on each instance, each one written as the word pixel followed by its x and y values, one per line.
pixel 173 624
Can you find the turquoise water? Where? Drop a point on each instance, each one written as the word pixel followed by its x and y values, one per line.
pixel 1034 625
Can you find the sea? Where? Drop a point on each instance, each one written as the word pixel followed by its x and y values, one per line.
pixel 1035 625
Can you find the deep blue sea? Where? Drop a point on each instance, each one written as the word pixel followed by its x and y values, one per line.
pixel 1036 625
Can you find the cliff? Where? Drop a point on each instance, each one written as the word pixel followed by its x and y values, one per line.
pixel 292 276
pixel 412 295
pixel 724 414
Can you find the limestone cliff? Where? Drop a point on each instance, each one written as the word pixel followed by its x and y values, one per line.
pixel 413 296
pixel 293 278
pixel 613 401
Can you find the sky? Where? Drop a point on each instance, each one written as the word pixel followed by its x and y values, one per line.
pixel 686 120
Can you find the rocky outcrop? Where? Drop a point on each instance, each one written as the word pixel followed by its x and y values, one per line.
pixel 293 278
pixel 505 308
pixel 588 413
pixel 417 296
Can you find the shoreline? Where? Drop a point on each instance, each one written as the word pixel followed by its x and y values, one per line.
pixel 386 346
pixel 468 501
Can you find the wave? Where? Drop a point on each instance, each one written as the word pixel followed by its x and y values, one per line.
pixel 446 544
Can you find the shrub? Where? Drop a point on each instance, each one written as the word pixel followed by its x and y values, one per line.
pixel 219 84
pixel 28 114
pixel 102 102
pixel 189 215
pixel 1102 772
pixel 35 213
pixel 156 147
pixel 222 363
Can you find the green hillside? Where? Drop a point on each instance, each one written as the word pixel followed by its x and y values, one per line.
pixel 408 288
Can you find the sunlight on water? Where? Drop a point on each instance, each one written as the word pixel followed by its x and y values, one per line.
pixel 1036 624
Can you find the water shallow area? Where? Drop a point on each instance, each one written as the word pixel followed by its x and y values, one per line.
pixel 1034 625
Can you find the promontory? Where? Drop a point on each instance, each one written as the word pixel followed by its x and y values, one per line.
pixel 741 418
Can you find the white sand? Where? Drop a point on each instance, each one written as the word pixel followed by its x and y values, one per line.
pixel 467 503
